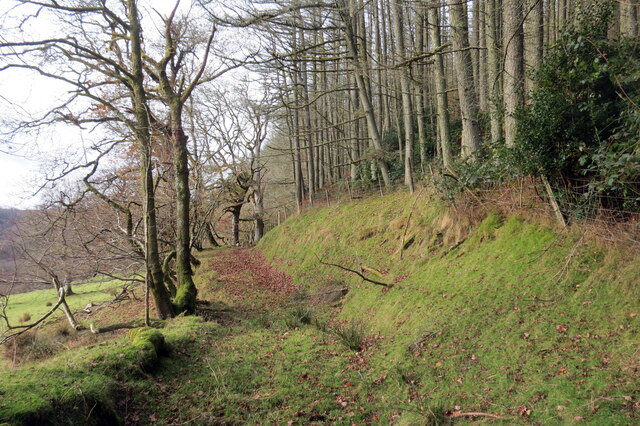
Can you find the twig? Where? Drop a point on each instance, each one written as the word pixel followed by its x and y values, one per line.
pixel 473 414
pixel 455 246
pixel 355 272
pixel 406 226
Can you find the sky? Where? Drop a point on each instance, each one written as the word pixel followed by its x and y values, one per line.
pixel 20 171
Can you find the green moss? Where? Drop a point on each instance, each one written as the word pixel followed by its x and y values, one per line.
pixel 185 300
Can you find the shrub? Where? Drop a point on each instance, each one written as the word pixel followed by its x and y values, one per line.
pixel 25 317
pixel 30 347
pixel 582 122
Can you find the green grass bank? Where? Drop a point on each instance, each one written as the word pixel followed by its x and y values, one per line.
pixel 509 319
pixel 505 316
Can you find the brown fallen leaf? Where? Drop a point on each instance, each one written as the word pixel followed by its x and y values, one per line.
pixel 523 411
pixel 560 407
pixel 561 328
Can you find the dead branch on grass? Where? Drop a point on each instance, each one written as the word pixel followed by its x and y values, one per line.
pixel 358 273
pixel 473 414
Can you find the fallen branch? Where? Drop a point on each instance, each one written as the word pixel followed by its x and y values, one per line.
pixel 355 272
pixel 455 246
pixel 114 327
pixel 473 414
pixel 406 226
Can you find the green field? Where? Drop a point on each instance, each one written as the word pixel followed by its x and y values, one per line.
pixel 35 303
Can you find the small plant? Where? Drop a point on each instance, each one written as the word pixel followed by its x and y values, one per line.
pixel 61 329
pixel 297 317
pixel 261 320
pixel 351 335
pixel 321 324
pixel 49 304
pixel 436 416
pixel 25 317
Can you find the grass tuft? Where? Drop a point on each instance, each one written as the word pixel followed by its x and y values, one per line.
pixel 351 334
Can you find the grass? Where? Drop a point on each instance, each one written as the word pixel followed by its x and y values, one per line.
pixel 34 304
pixel 504 316
pixel 491 317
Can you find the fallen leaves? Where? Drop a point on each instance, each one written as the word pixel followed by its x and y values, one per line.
pixel 523 411
pixel 561 328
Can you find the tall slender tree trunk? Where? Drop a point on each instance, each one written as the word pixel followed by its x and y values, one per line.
pixel 464 74
pixel 405 87
pixel 534 41
pixel 143 137
pixel 483 97
pixel 629 18
pixel 442 104
pixel 185 300
pixel 494 68
pixel 365 99
pixel 513 67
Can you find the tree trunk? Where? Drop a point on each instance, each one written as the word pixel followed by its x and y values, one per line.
pixel 405 88
pixel 442 104
pixel 494 69
pixel 513 67
pixel 365 99
pixel 185 300
pixel 629 18
pixel 464 74
pixel 534 41
pixel 61 291
pixel 235 223
pixel 143 137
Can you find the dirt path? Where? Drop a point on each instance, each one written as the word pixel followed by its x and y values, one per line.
pixel 242 277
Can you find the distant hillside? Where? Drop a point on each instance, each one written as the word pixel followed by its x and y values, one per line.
pixel 8 218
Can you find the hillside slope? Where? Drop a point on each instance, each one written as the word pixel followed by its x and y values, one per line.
pixel 493 320
pixel 506 316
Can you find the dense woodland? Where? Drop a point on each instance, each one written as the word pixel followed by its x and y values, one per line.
pixel 208 119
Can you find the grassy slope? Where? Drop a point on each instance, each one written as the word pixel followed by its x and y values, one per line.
pixel 523 317
pixel 515 318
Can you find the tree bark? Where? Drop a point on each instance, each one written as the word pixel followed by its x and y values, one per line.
pixel 405 88
pixel 143 137
pixel 513 67
pixel 534 41
pixel 494 68
pixel 235 223
pixel 442 104
pixel 464 74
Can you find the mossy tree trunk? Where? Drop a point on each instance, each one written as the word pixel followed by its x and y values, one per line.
pixel 143 137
